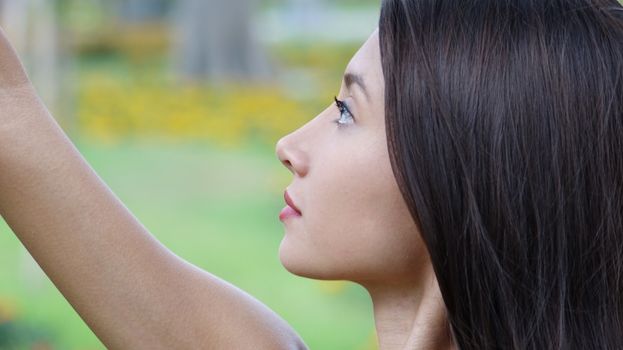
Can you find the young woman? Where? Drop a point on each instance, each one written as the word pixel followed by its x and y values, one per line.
pixel 469 175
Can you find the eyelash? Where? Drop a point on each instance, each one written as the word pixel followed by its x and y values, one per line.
pixel 341 105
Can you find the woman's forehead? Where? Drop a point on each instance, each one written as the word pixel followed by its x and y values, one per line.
pixel 367 64
pixel 368 54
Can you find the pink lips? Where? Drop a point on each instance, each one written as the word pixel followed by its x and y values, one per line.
pixel 290 209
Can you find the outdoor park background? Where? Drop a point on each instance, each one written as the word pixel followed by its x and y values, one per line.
pixel 178 106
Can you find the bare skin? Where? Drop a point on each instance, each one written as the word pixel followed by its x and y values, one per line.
pixel 136 294
pixel 130 290
pixel 355 224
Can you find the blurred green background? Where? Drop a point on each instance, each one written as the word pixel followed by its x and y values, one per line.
pixel 178 105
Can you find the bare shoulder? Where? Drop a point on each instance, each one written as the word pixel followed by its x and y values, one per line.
pixel 237 320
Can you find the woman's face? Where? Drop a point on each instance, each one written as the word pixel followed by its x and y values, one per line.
pixel 355 224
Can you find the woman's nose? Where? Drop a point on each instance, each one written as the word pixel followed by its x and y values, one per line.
pixel 290 156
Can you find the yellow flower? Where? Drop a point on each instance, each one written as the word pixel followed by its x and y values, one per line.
pixel 228 115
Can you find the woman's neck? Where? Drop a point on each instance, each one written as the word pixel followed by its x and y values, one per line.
pixel 410 315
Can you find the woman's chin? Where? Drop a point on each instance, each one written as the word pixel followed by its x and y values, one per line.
pixel 302 263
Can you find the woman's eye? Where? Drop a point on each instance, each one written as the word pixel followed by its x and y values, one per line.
pixel 346 117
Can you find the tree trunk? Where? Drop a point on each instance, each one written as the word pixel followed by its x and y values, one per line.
pixel 214 39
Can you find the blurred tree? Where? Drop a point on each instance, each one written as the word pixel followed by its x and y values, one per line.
pixel 214 39
pixel 140 10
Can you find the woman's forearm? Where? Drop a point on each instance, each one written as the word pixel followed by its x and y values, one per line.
pixel 131 291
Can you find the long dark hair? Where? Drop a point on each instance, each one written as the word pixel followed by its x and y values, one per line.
pixel 505 129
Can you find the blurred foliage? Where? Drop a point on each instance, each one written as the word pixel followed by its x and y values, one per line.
pixel 124 90
pixel 135 40
pixel 131 95
pixel 354 3
pixel 231 116
pixel 329 57
pixel 16 334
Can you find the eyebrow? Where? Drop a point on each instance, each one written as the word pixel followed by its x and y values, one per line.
pixel 354 78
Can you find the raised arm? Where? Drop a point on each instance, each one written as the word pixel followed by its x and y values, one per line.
pixel 130 290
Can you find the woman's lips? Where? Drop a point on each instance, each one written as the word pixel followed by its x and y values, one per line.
pixel 289 202
pixel 288 212
pixel 290 209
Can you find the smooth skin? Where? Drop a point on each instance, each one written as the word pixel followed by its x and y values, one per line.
pixel 134 293
pixel 355 224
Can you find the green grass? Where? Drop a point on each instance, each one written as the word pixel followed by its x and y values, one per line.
pixel 217 209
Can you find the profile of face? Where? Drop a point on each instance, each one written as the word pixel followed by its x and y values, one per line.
pixel 355 224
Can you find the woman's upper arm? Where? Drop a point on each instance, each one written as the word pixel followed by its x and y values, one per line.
pixel 132 291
